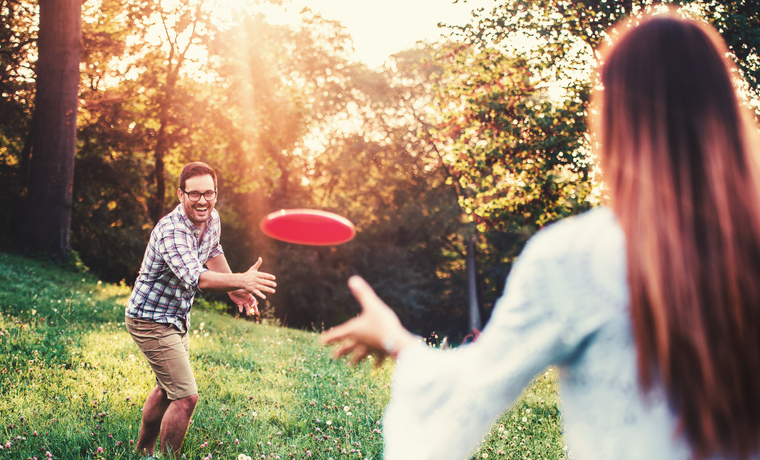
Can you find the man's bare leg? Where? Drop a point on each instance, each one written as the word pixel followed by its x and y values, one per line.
pixel 175 423
pixel 153 412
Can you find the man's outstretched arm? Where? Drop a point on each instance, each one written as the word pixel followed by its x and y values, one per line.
pixel 219 277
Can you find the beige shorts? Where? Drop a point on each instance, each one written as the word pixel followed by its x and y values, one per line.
pixel 168 353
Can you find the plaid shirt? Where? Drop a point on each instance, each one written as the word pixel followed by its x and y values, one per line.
pixel 171 268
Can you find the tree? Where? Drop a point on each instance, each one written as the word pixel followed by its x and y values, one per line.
pixel 514 101
pixel 738 22
pixel 141 106
pixel 47 220
pixel 386 178
pixel 186 27
pixel 517 158
pixel 306 127
pixel 512 106
pixel 275 86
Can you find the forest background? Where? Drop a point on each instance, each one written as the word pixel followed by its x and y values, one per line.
pixel 448 157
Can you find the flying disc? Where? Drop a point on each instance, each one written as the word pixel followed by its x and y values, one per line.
pixel 308 226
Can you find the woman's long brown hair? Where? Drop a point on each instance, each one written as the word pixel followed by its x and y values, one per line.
pixel 680 158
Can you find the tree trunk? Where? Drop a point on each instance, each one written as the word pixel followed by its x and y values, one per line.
pixel 159 201
pixel 163 142
pixel 46 227
pixel 472 286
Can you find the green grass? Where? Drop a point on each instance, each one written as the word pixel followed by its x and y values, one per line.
pixel 72 381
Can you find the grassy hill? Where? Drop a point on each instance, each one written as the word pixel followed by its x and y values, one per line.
pixel 72 383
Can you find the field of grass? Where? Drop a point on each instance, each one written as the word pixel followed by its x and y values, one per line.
pixel 72 383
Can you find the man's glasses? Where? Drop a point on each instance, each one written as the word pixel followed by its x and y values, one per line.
pixel 195 196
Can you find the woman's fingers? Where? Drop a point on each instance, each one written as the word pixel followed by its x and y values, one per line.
pixel 338 332
pixel 362 336
pixel 363 292
pixel 346 347
pixel 360 352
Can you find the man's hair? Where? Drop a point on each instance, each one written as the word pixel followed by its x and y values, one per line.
pixel 679 155
pixel 195 169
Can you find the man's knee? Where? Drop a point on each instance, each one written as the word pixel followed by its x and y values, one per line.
pixel 188 403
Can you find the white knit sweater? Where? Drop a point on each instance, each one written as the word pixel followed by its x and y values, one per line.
pixel 565 304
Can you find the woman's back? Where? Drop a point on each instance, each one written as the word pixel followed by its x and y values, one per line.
pixel 681 162
pixel 604 411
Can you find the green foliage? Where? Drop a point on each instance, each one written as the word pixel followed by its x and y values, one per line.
pixel 73 381
pixel 738 22
pixel 110 220
pixel 517 158
pixel 279 83
pixel 110 225
pixel 519 155
pixel 512 102
pixel 17 42
pixel 18 37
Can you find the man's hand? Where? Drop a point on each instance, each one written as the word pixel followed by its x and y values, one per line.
pixel 219 277
pixel 245 302
pixel 257 282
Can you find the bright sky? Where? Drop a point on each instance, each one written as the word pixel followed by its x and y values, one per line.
pixel 382 27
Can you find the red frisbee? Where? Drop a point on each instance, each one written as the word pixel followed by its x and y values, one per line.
pixel 308 226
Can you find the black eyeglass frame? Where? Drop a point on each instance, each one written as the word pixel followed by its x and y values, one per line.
pixel 204 195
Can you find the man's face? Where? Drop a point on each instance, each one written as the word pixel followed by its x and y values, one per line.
pixel 198 211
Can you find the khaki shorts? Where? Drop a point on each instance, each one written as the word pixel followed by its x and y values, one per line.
pixel 168 353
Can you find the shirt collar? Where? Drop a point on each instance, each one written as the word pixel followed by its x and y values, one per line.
pixel 194 228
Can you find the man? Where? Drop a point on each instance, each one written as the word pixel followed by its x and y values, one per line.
pixel 158 311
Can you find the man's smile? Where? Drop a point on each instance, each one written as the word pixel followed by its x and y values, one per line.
pixel 203 190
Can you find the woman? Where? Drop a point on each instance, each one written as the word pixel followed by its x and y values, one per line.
pixel 649 307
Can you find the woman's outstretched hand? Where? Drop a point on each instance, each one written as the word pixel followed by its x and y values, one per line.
pixel 376 331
